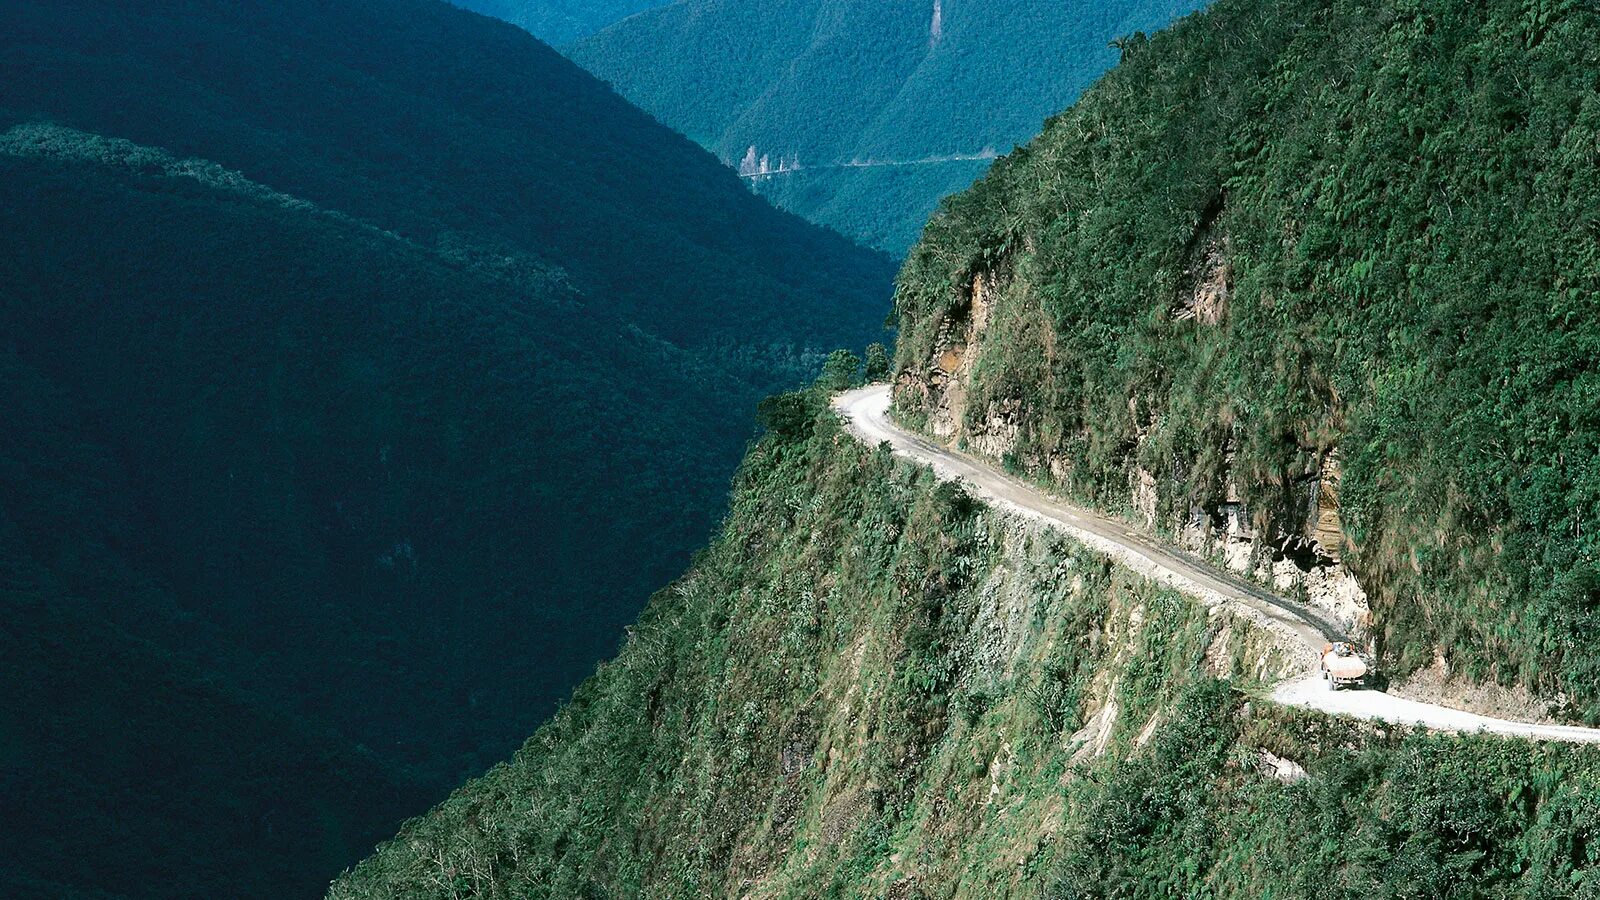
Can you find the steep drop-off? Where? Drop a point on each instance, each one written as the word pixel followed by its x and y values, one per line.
pixel 872 686
pixel 1313 286
pixel 1310 285
pixel 820 83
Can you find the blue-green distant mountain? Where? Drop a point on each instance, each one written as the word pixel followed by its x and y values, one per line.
pixel 560 21
pixel 366 365
pixel 868 112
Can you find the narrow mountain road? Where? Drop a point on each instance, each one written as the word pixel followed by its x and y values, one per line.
pixel 866 412
pixel 879 164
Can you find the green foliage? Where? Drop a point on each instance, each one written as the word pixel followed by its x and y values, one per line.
pixel 871 686
pixel 1401 204
pixel 841 371
pixel 1379 815
pixel 836 83
pixel 878 366
pixel 790 415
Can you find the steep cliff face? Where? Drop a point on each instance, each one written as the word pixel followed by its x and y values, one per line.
pixel 1297 284
pixel 872 686
pixel 1295 543
pixel 865 674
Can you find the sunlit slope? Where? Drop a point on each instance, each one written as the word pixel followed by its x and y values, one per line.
pixel 824 82
pixel 1324 271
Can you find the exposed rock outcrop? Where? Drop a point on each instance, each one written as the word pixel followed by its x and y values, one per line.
pixel 1298 549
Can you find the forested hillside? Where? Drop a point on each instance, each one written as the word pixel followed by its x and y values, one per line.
pixel 560 21
pixel 872 686
pixel 454 128
pixel 128 772
pixel 360 391
pixel 1324 270
pixel 934 87
pixel 1319 275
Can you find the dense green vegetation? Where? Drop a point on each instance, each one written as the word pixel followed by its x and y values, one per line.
pixel 1379 815
pixel 362 386
pixel 1401 203
pixel 833 81
pixel 870 686
pixel 560 21
pixel 1283 234
pixel 126 772
pixel 348 474
pixel 449 128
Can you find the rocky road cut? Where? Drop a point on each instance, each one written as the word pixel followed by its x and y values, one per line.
pixel 866 413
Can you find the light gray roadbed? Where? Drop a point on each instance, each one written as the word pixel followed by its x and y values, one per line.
pixel 866 413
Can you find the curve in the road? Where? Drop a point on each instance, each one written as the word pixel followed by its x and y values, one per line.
pixel 866 413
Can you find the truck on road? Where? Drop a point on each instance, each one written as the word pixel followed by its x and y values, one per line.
pixel 1343 666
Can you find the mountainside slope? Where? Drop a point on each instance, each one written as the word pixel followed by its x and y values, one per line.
pixel 560 21
pixel 1316 289
pixel 1309 283
pixel 390 361
pixel 444 126
pixel 872 686
pixel 313 459
pixel 825 82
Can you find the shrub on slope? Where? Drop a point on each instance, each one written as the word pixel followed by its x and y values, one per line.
pixel 1400 204
pixel 872 686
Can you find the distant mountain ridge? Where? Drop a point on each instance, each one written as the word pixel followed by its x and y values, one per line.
pixel 560 21
pixel 817 83
pixel 370 135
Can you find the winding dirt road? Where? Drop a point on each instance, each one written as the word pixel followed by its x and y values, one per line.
pixel 866 413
